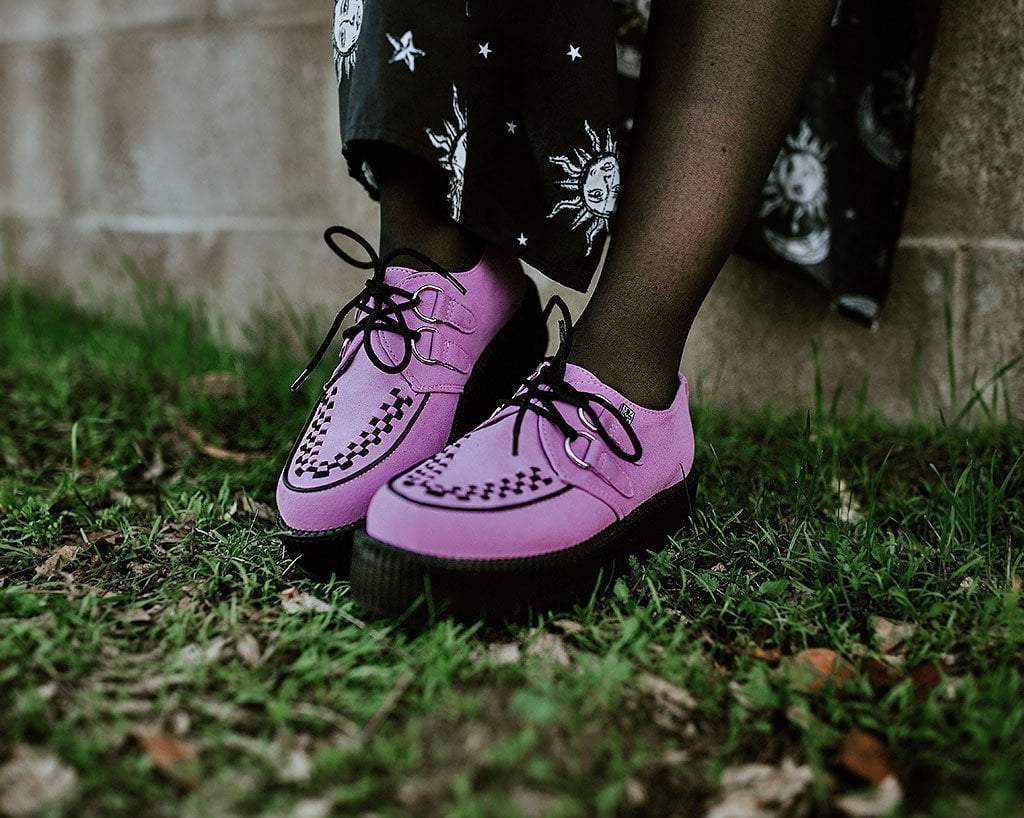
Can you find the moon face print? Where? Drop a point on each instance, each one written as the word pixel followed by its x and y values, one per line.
pixel 348 22
pixel 884 112
pixel 795 200
pixel 452 144
pixel 593 178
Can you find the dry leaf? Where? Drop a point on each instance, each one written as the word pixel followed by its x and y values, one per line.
pixel 217 385
pixel 156 467
pixel 763 791
pixel 171 755
pixel 865 756
pixel 824 666
pixel 311 808
pixel 496 653
pixel 884 672
pixel 926 676
pixel 198 655
pixel 216 452
pixel 295 601
pixel 248 649
pixel 878 802
pixel 850 510
pixel 671 705
pixel 567 626
pixel 550 648
pixel 254 508
pixel 60 558
pixel 890 634
pixel 33 781
pixel 770 655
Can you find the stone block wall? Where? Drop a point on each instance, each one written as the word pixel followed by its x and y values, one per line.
pixel 199 138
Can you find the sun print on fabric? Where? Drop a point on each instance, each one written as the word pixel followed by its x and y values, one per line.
pixel 348 22
pixel 593 178
pixel 796 196
pixel 452 144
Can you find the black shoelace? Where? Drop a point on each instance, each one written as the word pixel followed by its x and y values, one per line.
pixel 381 312
pixel 547 386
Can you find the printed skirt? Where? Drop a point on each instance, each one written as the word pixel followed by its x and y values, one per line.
pixel 527 109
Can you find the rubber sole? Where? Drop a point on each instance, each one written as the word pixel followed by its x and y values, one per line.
pixel 511 355
pixel 390 582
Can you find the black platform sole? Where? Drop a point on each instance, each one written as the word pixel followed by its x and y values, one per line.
pixel 504 364
pixel 388 581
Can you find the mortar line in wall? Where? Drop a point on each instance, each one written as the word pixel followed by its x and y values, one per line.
pixel 201 24
pixel 957 242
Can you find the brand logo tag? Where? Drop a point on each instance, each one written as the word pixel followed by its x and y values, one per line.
pixel 627 413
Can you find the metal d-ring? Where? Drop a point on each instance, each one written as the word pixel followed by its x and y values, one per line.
pixel 416 301
pixel 583 464
pixel 585 419
pixel 422 331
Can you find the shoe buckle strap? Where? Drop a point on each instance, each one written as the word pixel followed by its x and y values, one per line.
pixel 436 306
pixel 432 347
pixel 603 464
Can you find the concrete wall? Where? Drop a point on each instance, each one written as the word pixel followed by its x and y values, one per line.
pixel 199 137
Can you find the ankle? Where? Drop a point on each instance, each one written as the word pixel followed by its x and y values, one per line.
pixel 649 380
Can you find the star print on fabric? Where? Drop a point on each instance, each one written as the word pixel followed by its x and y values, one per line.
pixel 511 127
pixel 405 50
pixel 485 50
pixel 521 239
pixel 573 53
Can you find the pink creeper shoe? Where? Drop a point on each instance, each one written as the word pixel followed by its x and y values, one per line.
pixel 430 355
pixel 527 510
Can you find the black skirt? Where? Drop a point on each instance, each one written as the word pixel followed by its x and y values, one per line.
pixel 527 108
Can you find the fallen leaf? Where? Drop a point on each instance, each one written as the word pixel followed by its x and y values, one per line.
pixel 850 510
pixel 865 756
pixel 770 655
pixel 890 634
pixel 33 781
pixel 671 704
pixel 496 653
pixel 311 808
pixel 217 385
pixel 550 649
pixel 926 676
pixel 156 467
pixel 171 755
pixel 884 672
pixel 824 666
pixel 60 558
pixel 248 649
pixel 254 508
pixel 198 655
pixel 763 791
pixel 295 601
pixel 194 436
pixel 567 626
pixel 879 801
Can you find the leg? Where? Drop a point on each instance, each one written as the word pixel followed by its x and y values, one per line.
pixel 720 82
pixel 413 210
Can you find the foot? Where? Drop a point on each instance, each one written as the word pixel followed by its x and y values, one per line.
pixel 529 508
pixel 430 354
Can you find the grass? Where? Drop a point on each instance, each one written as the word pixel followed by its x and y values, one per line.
pixel 147 652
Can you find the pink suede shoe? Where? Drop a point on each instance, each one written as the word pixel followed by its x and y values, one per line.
pixel 528 509
pixel 429 356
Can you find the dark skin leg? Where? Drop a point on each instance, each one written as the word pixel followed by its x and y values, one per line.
pixel 414 210
pixel 719 87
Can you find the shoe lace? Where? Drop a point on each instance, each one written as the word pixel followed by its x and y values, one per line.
pixel 377 301
pixel 547 387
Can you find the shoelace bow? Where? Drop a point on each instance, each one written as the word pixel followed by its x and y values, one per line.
pixel 381 312
pixel 547 386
